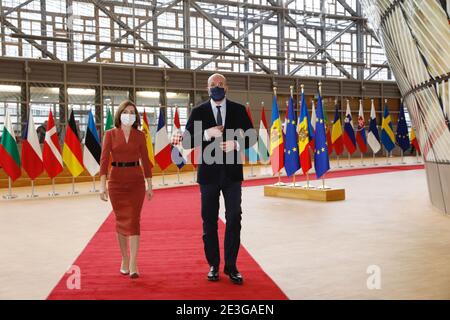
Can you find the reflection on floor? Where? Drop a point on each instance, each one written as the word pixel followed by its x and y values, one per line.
pixel 311 250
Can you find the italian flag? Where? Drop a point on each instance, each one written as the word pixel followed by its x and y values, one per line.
pixel 9 152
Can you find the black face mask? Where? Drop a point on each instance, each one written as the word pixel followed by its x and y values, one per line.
pixel 217 93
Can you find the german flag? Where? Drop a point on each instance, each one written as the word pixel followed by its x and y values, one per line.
pixel 72 154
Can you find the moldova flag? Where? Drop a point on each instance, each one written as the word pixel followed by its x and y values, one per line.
pixel 402 130
pixel 321 159
pixel 276 139
pixel 349 133
pixel 387 133
pixel 291 155
pixel 303 126
pixel 31 150
pixel 336 133
pixel 72 154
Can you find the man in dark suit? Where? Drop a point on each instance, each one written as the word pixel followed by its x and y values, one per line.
pixel 220 170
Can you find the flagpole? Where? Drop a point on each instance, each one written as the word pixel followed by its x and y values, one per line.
pixel 53 193
pixel 374 163
pixel 32 195
pixel 178 177
pixel 9 196
pixel 163 182
pixel 417 156
pixel 93 185
pixel 194 176
pixel 73 192
pixel 350 160
pixel 402 158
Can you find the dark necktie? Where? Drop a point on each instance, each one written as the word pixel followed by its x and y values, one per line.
pixel 219 116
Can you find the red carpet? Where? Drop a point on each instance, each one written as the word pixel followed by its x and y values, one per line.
pixel 171 259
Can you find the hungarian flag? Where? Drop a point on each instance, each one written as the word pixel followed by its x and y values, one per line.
pixel 178 153
pixel 148 140
pixel 336 133
pixel 72 154
pixel 92 148
pixel 276 140
pixel 31 151
pixel 303 129
pixel 361 131
pixel 413 139
pixel 52 152
pixel 263 139
pixel 9 152
pixel 163 155
pixel 349 133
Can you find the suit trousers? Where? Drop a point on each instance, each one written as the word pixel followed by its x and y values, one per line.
pixel 232 194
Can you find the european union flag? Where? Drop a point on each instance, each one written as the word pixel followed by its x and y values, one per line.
pixel 402 130
pixel 291 155
pixel 321 160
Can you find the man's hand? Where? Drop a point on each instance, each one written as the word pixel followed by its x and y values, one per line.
pixel 214 132
pixel 228 146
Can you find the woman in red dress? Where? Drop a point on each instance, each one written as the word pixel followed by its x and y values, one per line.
pixel 126 184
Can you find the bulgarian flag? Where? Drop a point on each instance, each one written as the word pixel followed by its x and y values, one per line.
pixel 9 152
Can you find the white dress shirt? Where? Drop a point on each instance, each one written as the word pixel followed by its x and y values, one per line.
pixel 223 113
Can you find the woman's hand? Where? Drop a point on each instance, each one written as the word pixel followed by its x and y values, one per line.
pixel 104 193
pixel 149 192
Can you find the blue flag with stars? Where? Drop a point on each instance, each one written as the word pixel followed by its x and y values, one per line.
pixel 402 130
pixel 321 160
pixel 291 155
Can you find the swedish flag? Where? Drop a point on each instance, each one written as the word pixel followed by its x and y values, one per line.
pixel 321 160
pixel 387 132
pixel 291 155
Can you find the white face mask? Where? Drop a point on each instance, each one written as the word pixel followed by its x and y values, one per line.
pixel 127 119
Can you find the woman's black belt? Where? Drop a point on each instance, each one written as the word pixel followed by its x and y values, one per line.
pixel 125 164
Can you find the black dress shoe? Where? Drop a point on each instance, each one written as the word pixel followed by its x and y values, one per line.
pixel 213 274
pixel 234 275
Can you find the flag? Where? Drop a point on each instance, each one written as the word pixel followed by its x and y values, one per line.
pixel 163 155
pixel 402 130
pixel 327 130
pixel 291 155
pixel 413 140
pixel 252 152
pixel 361 131
pixel 92 148
pixel 72 154
pixel 178 153
pixel 9 152
pixel 313 125
pixel 109 120
pixel 349 133
pixel 387 133
pixel 263 139
pixel 373 138
pixel 336 133
pixel 31 150
pixel 51 155
pixel 321 160
pixel 148 140
pixel 276 139
pixel 303 130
